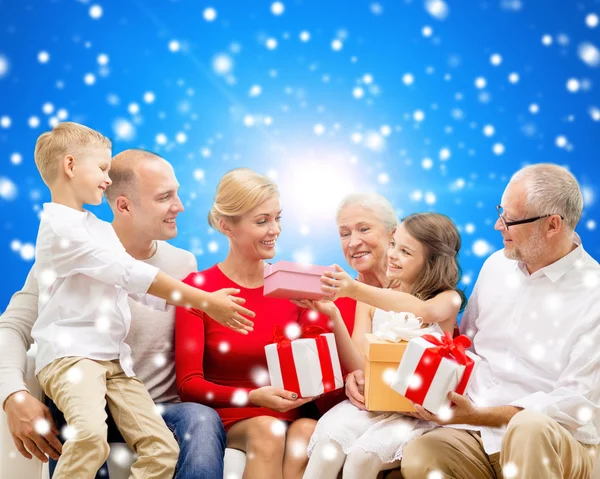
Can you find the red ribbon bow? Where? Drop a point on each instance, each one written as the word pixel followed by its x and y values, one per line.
pixel 446 347
pixel 307 331
pixel 287 364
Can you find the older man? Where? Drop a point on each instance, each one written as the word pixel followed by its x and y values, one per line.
pixel 534 318
pixel 145 203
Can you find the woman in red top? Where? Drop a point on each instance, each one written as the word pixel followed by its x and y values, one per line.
pixel 226 370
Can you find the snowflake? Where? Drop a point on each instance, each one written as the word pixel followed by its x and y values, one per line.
pixel 149 97
pixel 159 360
pixel 277 8
pixel 8 190
pixel 589 53
pixel 209 14
pixel 74 374
pixel 68 432
pixel 329 452
pixel 591 20
pixel 95 12
pixel 573 85
pixel 427 163
pixel 358 92
pixel 481 248
pixel 498 149
pixel 43 57
pixel 561 141
pixel 437 9
pixel 510 470
pixel 102 324
pixel 292 331
pixel 239 398
pixel 42 426
pixel 255 90
pixel 271 43
pixel 445 413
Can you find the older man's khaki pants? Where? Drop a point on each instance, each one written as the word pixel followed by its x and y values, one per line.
pixel 81 388
pixel 534 447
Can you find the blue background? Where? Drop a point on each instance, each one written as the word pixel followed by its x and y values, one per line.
pixel 306 128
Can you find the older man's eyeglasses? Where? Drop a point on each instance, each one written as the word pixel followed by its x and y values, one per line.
pixel 507 224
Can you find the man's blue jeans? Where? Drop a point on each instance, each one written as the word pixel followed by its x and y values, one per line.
pixel 198 430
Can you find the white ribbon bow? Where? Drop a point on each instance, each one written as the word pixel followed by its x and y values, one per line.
pixel 396 327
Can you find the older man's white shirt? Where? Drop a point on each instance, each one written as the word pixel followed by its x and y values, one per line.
pixel 538 337
pixel 84 275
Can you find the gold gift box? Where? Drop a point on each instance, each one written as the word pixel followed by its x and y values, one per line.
pixel 381 364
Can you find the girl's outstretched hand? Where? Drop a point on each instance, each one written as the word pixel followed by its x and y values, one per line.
pixel 338 283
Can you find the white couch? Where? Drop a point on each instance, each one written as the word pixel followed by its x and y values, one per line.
pixel 15 466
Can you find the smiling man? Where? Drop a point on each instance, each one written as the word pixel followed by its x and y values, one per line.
pixel 145 203
pixel 533 408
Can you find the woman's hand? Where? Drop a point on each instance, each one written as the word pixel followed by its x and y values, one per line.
pixel 277 399
pixel 323 306
pixel 338 283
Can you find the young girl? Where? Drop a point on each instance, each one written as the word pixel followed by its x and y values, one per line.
pixel 424 272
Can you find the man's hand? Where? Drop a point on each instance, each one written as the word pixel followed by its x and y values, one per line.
pixel 276 398
pixel 464 412
pixel 31 426
pixel 355 388
pixel 227 310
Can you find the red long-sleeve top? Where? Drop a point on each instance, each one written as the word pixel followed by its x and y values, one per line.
pixel 219 367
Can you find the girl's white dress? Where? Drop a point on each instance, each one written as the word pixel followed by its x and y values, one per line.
pixel 382 433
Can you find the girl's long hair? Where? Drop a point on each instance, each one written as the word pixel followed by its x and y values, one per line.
pixel 441 241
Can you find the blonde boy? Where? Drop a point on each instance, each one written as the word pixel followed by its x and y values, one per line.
pixel 85 277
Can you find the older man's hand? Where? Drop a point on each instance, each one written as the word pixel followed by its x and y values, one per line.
pixel 464 412
pixel 355 388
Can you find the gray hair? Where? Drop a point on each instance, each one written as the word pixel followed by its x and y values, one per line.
pixel 372 202
pixel 552 190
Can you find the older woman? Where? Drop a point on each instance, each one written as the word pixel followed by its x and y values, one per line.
pixel 226 370
pixel 366 222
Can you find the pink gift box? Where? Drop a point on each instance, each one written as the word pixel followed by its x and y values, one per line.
pixel 288 280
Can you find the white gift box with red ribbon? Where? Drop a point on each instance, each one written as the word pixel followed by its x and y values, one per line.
pixel 308 366
pixel 432 366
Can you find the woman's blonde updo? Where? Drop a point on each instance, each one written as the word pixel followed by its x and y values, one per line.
pixel 239 191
